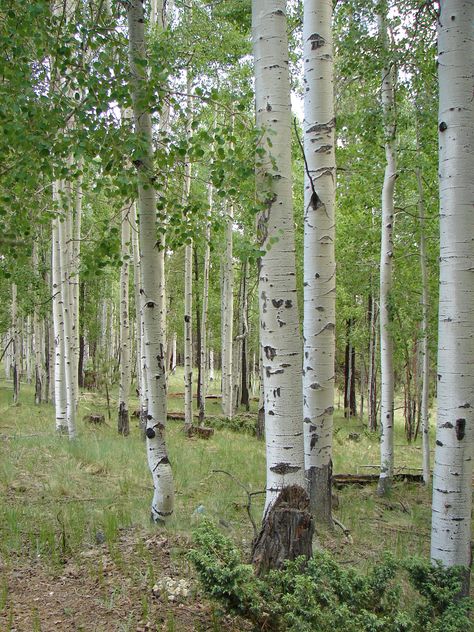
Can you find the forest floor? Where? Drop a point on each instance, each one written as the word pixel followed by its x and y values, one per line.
pixel 77 551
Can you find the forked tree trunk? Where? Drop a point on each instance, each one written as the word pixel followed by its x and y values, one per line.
pixel 280 336
pixel 452 476
pixel 386 267
pixel 125 368
pixel 152 274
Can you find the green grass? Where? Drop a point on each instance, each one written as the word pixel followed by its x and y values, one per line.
pixel 57 496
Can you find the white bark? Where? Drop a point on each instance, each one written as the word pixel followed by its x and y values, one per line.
pixel 211 365
pixel 386 270
pixel 38 343
pixel 68 325
pixel 227 316
pixel 141 363
pixel 319 259
pixel 152 275
pixel 16 345
pixel 452 476
pixel 188 290
pixel 125 368
pixel 205 303
pixel 58 327
pixel 280 337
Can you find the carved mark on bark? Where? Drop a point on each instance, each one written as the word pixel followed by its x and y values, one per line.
pixel 277 303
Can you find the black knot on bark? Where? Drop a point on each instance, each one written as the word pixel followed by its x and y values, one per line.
pixel 150 433
pixel 442 126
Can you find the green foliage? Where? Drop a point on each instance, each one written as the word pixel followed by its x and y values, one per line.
pixel 322 595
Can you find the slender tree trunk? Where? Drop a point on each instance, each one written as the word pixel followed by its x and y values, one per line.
pixel 386 267
pixel 67 316
pixel 152 274
pixel 198 330
pixel 228 316
pixel 452 476
pixel 141 362
pixel 425 371
pixel 244 372
pixel 37 339
pixel 58 324
pixel 372 373
pixel 280 336
pixel 125 368
pixel 205 302
pixel 16 345
pixel 188 306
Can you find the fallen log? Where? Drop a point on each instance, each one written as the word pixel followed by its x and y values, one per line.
pixel 96 419
pixel 339 480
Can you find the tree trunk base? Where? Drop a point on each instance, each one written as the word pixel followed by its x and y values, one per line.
pixel 287 531
pixel 123 421
pixel 319 480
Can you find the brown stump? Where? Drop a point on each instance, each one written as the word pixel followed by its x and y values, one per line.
pixel 287 531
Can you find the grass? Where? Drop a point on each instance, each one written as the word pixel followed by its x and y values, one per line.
pixel 58 497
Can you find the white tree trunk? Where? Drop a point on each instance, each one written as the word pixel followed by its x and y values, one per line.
pixel 227 316
pixel 280 337
pixel 152 275
pixel 141 362
pixel 68 324
pixel 452 476
pixel 205 303
pixel 125 368
pixel 16 345
pixel 38 343
pixel 173 360
pixel 386 270
pixel 188 290
pixel 211 365
pixel 58 327
pixel 319 259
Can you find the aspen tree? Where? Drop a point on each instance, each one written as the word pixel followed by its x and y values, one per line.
pixel 152 274
pixel 386 266
pixel 280 337
pixel 16 345
pixel 227 335
pixel 452 475
pixel 125 368
pixel 319 258
pixel 205 303
pixel 188 285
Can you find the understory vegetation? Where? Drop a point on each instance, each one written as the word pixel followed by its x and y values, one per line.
pixel 90 495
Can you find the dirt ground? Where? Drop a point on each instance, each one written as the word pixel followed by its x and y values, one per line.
pixel 106 589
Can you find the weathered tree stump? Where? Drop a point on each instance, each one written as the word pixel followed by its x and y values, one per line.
pixel 199 431
pixel 287 531
pixel 96 419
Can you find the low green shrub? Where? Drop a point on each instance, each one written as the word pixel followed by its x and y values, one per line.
pixel 323 596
